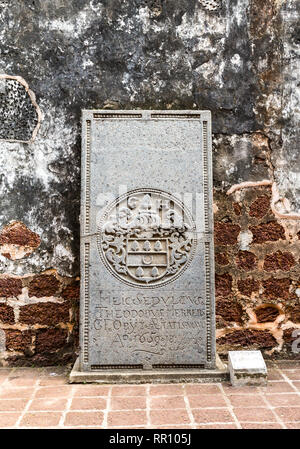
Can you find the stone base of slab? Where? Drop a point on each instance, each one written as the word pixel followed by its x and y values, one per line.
pixel 134 376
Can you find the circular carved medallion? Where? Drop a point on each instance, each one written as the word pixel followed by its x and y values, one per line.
pixel 146 238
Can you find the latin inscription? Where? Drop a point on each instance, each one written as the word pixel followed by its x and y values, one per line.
pixel 149 323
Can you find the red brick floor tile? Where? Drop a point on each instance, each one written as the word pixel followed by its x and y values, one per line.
pixel 161 417
pixel 166 390
pixel 217 426
pixel 274 374
pixel 203 416
pixel 59 391
pixel 127 418
pixel 288 414
pixel 229 389
pixel 292 425
pixel 202 389
pixel 246 400
pixel 129 390
pixel 41 419
pixel 167 402
pixel 254 414
pixel 283 399
pixel 251 425
pixel 48 404
pixel 206 400
pixel 11 393
pixel 277 387
pixel 11 405
pixel 84 419
pixel 91 390
pixel 287 364
pixel 91 403
pixel 296 384
pixel 129 427
pixel 128 403
pixel 52 371
pixel 5 371
pixel 51 381
pixel 4 374
pixel 8 419
pixel 21 381
pixel 183 426
pixel 26 373
pixel 293 374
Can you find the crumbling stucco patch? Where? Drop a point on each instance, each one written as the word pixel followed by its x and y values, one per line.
pixel 20 113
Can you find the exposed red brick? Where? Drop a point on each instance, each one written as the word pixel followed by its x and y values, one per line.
pixel 261 15
pixel 276 288
pixel 260 207
pixel 229 310
pixel 223 284
pixel 267 232
pixel 288 335
pixel 10 287
pixel 246 260
pixel 220 322
pixel 44 285
pixel 50 340
pixel 72 291
pixel 7 314
pixel 266 314
pixel 226 233
pixel 17 233
pixel 222 258
pixel 237 208
pixel 279 261
pixel 60 357
pixel 294 313
pixel 248 338
pixel 48 313
pixel 75 333
pixel 17 340
pixel 248 286
pixel 7 255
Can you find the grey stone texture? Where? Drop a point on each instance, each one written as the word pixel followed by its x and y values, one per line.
pixel 147 260
pixel 237 58
pixel 247 368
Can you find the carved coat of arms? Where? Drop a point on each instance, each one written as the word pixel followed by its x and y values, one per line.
pixel 146 238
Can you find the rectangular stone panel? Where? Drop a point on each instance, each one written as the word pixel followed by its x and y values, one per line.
pixel 147 273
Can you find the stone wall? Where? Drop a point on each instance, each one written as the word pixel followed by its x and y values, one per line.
pixel 257 273
pixel 237 58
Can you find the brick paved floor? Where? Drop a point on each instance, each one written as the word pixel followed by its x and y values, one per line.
pixel 42 398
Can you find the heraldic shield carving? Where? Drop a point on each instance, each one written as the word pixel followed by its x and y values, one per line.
pixel 146 238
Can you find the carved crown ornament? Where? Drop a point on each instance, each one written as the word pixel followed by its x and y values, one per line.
pixel 146 238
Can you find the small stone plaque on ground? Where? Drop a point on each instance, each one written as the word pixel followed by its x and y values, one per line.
pixel 247 368
pixel 147 274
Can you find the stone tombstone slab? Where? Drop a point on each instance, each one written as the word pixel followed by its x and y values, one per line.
pixel 147 273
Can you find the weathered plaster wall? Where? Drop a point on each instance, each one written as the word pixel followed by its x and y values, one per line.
pixel 237 58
